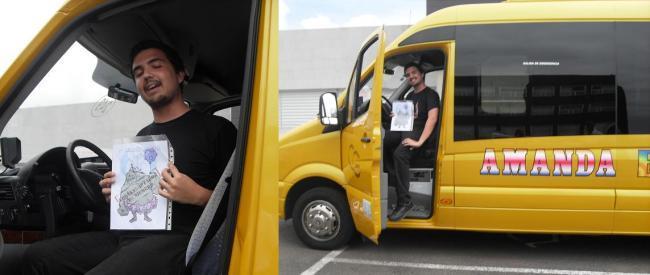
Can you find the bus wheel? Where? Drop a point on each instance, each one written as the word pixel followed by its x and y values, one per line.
pixel 322 220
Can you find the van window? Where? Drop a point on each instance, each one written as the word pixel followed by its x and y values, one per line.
pixel 633 76
pixel 365 93
pixel 551 79
pixel 359 95
pixel 393 81
pixel 360 101
pixel 351 96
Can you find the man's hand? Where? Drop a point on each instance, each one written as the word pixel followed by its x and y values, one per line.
pixel 408 142
pixel 178 187
pixel 105 183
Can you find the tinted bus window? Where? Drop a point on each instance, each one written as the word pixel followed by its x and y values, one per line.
pixel 551 79
pixel 633 77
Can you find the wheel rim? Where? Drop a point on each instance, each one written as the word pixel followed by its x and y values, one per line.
pixel 320 220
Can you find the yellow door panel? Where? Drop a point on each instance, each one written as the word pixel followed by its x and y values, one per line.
pixel 361 146
pixel 365 211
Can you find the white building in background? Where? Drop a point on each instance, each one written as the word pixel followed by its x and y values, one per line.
pixel 316 61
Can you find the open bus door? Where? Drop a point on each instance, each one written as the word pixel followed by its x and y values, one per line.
pixel 361 139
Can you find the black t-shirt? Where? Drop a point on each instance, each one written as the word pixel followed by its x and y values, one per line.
pixel 423 102
pixel 202 146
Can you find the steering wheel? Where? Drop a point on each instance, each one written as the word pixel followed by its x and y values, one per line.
pixel 85 181
pixel 386 110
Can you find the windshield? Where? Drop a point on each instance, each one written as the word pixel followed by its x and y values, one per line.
pixel 67 105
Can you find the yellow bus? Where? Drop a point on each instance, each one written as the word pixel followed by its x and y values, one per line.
pixel 542 127
pixel 230 49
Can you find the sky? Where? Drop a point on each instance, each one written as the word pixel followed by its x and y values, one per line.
pixel 21 20
pixel 19 23
pixel 316 14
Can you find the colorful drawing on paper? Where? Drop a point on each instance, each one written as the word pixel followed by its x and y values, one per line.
pixel 403 115
pixel 138 194
pixel 135 202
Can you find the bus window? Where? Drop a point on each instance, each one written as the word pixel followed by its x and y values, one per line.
pixel 633 77
pixel 562 84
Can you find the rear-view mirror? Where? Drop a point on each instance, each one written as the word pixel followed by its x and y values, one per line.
pixel 122 94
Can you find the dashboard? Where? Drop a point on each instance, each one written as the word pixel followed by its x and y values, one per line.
pixel 38 195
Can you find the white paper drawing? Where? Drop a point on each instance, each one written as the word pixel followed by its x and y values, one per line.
pixel 135 202
pixel 403 115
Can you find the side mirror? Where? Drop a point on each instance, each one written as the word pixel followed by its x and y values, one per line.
pixel 122 94
pixel 11 152
pixel 327 112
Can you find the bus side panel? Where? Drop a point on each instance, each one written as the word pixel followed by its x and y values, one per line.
pixel 633 190
pixel 444 197
pixel 532 220
pixel 519 185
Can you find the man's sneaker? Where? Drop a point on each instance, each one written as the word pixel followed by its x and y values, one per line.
pixel 393 210
pixel 401 211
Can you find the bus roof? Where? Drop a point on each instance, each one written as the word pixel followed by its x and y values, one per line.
pixel 520 11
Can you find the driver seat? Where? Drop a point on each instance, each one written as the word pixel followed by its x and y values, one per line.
pixel 425 156
pixel 204 254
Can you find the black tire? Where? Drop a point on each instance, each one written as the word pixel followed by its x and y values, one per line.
pixel 323 202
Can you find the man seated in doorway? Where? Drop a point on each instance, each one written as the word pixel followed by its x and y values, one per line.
pixel 399 147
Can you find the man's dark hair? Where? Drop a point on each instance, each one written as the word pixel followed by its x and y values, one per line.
pixel 171 54
pixel 413 64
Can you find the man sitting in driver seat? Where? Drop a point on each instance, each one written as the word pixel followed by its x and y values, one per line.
pixel 202 147
pixel 399 147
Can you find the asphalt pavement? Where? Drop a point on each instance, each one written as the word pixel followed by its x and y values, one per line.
pixel 451 252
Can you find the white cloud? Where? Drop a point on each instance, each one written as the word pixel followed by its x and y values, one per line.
pixel 363 20
pixel 318 22
pixel 330 14
pixel 284 15
pixel 401 17
pixel 404 17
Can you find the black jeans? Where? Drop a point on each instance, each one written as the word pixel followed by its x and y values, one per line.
pixel 105 252
pixel 397 162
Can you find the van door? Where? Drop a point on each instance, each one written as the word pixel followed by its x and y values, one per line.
pixel 361 138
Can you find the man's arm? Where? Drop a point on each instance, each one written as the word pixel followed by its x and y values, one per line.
pixel 428 126
pixel 426 132
pixel 178 187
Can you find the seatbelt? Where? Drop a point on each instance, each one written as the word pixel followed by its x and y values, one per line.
pixel 202 226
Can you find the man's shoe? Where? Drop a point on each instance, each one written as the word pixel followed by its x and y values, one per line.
pixel 393 210
pixel 401 211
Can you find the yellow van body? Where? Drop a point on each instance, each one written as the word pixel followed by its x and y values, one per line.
pixel 518 182
pixel 254 245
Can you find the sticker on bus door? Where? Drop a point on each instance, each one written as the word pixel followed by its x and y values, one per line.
pixel 644 163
